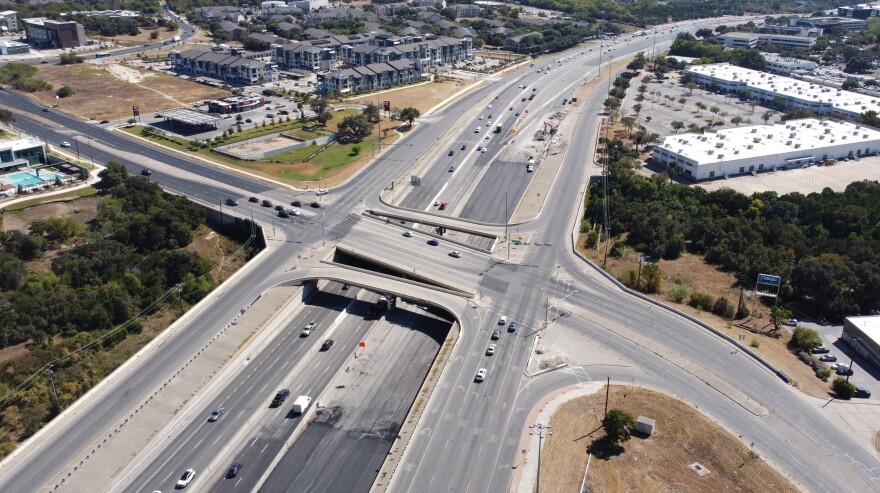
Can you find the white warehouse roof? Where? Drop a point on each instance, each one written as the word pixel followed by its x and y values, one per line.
pixel 821 99
pixel 765 147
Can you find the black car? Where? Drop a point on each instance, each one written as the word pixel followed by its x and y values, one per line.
pixel 327 345
pixel 463 147
pixel 296 203
pixel 523 99
pixel 862 393
pixel 433 242
pixel 279 207
pixel 845 371
pixel 267 203
pixel 511 327
pixel 233 469
pixel 231 202
pixel 45 110
pixel 315 205
pixel 253 199
pixel 451 152
pixel 104 121
pixel 283 214
pixel 819 350
pixel 146 172
pixel 279 397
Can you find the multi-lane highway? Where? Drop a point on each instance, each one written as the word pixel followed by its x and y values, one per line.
pixel 469 434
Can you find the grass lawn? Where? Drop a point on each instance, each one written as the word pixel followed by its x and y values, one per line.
pixel 659 463
pixel 332 166
pixel 73 194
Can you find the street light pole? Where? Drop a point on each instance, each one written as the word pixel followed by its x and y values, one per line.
pixel 323 241
pixel 506 236
pixel 54 390
pixel 542 431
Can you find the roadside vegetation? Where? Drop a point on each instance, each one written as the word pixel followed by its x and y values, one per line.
pixel 80 297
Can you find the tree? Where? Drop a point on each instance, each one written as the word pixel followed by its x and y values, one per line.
pixel 371 111
pixel 869 117
pixel 859 64
pixel 322 111
pixel 682 101
pixel 65 92
pixel 238 118
pixel 652 278
pixel 628 122
pixel 354 128
pixel 715 110
pixel 677 125
pixel 409 115
pixel 618 425
pixel 704 33
pixel 805 339
pixel 6 116
pixel 690 87
pixel 736 120
pixel 637 108
pixel 843 389
pixel 701 107
pixel 767 116
pixel 778 316
pixel 69 59
pixel 154 35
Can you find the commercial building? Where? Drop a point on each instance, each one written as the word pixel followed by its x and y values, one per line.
pixel 227 66
pixel 45 33
pixel 110 14
pixel 309 5
pixel 826 22
pixel 369 77
pixel 8 21
pixel 863 335
pixel 752 40
pixel 785 90
pixel 235 104
pixel 13 48
pixel 784 65
pixel 20 153
pixel 467 10
pixel 754 149
pixel 860 11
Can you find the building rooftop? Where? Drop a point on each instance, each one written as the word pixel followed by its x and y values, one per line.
pixel 806 135
pixel 189 116
pixel 844 101
pixel 19 143
pixel 869 325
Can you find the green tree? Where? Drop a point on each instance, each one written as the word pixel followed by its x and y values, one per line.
pixel 691 86
pixel 652 278
pixel 154 35
pixel 736 120
pixel 869 117
pixel 628 122
pixel 805 339
pixel 69 59
pixel 353 128
pixel 371 111
pixel 409 115
pixel 677 125
pixel 6 116
pixel 778 316
pixel 65 92
pixel 843 389
pixel 767 116
pixel 112 176
pixel 619 426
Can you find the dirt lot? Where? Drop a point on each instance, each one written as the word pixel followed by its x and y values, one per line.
pixel 701 277
pixel 84 209
pixel 139 39
pixel 102 94
pixel 422 97
pixel 660 463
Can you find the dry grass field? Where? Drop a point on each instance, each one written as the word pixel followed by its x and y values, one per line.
pixel 657 464
pixel 102 95
pixel 422 97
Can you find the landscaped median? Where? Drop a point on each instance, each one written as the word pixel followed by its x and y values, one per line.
pixel 331 162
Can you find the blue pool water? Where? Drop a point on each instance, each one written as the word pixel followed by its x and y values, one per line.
pixel 29 178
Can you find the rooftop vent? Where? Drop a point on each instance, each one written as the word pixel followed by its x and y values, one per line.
pixel 719 144
pixel 754 130
pixel 827 130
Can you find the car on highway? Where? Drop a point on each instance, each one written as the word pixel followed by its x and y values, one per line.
pixel 529 168
pixel 45 110
pixel 234 470
pixel 451 168
pixel 231 202
pixel 463 147
pixel 184 480
pixel 283 214
pixel 827 357
pixel 443 205
pixel 480 118
pixel 146 172
pixel 862 393
pixel 490 107
pixel 523 99
pixel 215 415
pixel 308 329
pixel 327 344
pixel 65 144
pixel 819 350
pixel 279 397
pixel 322 191
pixel 502 320
pixel 490 350
pixel 104 122
pixel 267 203
pixel 517 113
pixel 315 205
pixel 279 207
pixel 296 203
pixel 496 334
pixel 407 234
pixel 512 327
pixel 481 375
pixel 433 242
pixel 451 152
pixel 455 254
pixel 253 199
pixel 270 115
pixel 490 116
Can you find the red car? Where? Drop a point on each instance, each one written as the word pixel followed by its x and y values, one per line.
pixel 443 205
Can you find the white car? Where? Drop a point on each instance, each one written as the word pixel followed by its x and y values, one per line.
pixel 530 168
pixel 455 254
pixel 65 144
pixel 481 117
pixel 185 479
pixel 490 350
pixel 309 329
pixel 489 107
pixel 293 212
pixel 322 191
pixel 407 234
pixel 481 375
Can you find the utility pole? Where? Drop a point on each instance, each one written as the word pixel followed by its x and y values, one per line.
pixel 639 277
pixel 542 430
pixel 607 391
pixel 323 240
pixel 54 390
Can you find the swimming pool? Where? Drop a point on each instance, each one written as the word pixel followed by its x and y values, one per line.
pixel 26 178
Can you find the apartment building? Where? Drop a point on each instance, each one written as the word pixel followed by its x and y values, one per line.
pixel 369 77
pixel 230 67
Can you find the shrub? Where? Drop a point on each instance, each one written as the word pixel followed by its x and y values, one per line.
pixel 65 92
pixel 678 293
pixel 843 389
pixel 805 339
pixel 755 343
pixel 805 357
pixel 723 308
pixel 702 301
pixel 742 312
pixel 823 373
pixel 652 278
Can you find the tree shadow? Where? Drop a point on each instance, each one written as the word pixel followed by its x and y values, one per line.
pixel 601 448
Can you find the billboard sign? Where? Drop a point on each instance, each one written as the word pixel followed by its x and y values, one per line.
pixel 386 105
pixel 770 280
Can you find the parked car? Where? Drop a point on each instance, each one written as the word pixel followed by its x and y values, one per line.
pixel 215 415
pixel 819 350
pixel 481 375
pixel 315 205
pixel 844 370
pixel 104 121
pixel 827 357
pixel 862 393
pixel 234 469
pixel 322 191
pixel 791 322
pixel 184 480
pixel 327 344
pixel 248 120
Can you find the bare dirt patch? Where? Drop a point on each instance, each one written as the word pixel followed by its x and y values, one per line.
pixel 657 464
pixel 101 94
pixel 84 210
pixel 699 276
pixel 422 97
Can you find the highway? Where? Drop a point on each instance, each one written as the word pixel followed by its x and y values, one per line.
pixel 469 434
